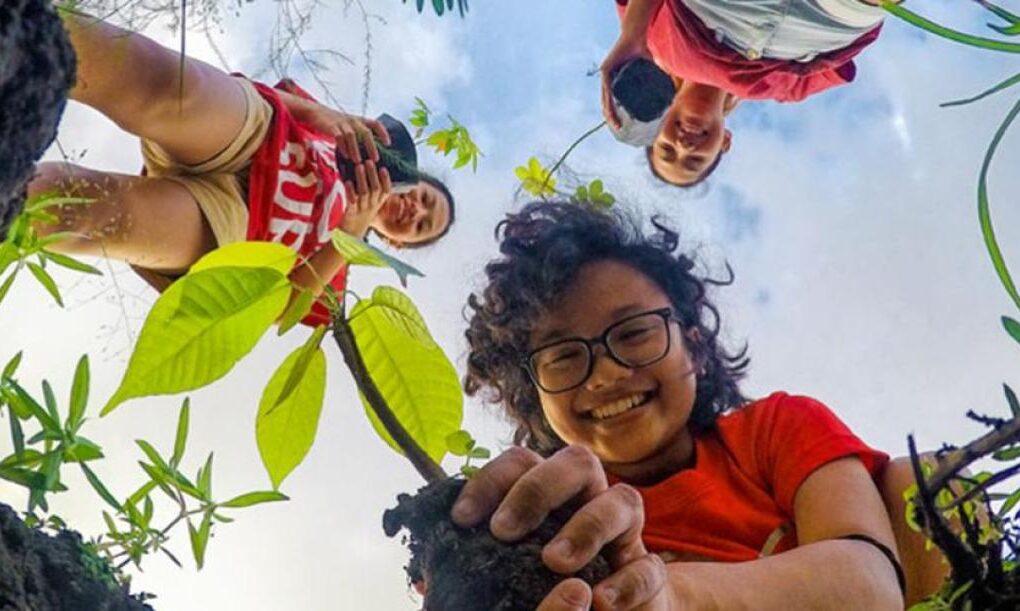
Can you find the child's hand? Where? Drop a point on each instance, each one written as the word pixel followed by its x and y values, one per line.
pixel 628 47
pixel 519 489
pixel 365 196
pixel 349 130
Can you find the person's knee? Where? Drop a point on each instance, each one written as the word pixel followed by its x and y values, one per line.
pixel 81 218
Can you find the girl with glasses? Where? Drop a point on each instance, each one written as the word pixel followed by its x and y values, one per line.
pixel 601 344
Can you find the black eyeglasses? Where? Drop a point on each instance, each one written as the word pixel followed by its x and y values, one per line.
pixel 635 341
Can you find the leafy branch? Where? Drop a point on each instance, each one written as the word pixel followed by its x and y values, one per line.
pixel 23 243
pixel 541 182
pixel 453 139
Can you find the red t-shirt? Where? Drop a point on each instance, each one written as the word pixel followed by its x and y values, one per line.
pixel 295 194
pixel 740 492
pixel 683 46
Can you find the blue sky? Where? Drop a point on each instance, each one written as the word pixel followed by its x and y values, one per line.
pixel 849 220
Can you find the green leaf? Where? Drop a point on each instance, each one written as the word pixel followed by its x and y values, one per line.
pixel 1014 404
pixel 1007 454
pixel 17 435
pixel 154 456
pixel 1012 327
pixel 24 458
pixel 285 430
pixel 200 327
pixel 984 216
pixel 47 436
pixel 6 286
pixel 1010 503
pixel 48 200
pixel 25 407
pixel 100 488
pixel 414 376
pixel 1006 84
pixel 12 367
pixel 300 368
pixel 82 450
pixel 205 477
pixel 248 254
pixel 182 433
pixel 50 400
pixel 939 30
pixel 254 498
pixel 298 308
pixel 459 443
pixel 200 538
pixel 359 252
pixel 480 453
pixel 25 477
pixel 47 281
pixel 142 492
pixel 535 179
pixel 69 263
pixel 79 395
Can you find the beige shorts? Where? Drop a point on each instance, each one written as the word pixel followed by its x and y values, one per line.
pixel 215 184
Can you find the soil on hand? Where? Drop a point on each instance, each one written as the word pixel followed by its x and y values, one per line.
pixel 43 573
pixel 37 69
pixel 469 570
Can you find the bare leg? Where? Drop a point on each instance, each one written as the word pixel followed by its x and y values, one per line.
pixel 150 222
pixel 137 83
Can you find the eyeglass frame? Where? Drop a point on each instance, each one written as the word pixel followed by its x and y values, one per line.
pixel 601 340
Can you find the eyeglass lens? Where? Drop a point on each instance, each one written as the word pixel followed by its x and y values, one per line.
pixel 634 342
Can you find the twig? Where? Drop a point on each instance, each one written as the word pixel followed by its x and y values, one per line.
pixel 566 153
pixel 952 463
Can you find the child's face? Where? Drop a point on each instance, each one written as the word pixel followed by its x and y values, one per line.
pixel 691 138
pixel 650 436
pixel 419 215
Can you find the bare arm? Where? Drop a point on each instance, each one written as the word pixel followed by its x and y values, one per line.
pixel 638 17
pixel 347 129
pixel 824 572
pixel 632 43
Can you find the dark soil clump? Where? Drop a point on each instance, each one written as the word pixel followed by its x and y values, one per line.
pixel 37 69
pixel 467 569
pixel 43 573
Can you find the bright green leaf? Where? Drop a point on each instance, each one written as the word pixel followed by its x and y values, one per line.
pixel 199 539
pixel 47 281
pixel 142 492
pixel 459 443
pixel 248 254
pixel 6 286
pixel 286 430
pixel 254 498
pixel 100 488
pixel 300 368
pixel 205 477
pixel 1012 327
pixel 480 453
pixel 200 327
pixel 79 394
pixel 50 400
pixel 298 308
pixel 27 457
pixel 359 252
pixel 82 450
pixel 414 376
pixel 72 264
pixel 12 367
pixel 181 438
pixel 25 406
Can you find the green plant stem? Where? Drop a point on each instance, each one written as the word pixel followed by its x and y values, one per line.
pixel 570 149
pixel 939 30
pixel 985 216
pixel 423 463
pixel 1006 84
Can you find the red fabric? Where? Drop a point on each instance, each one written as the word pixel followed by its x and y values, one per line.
pixel 746 475
pixel 683 46
pixel 296 194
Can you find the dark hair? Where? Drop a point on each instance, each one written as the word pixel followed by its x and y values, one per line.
pixel 543 246
pixel 441 187
pixel 700 179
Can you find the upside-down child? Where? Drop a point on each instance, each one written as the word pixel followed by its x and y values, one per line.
pixel 720 52
pixel 601 345
pixel 226 159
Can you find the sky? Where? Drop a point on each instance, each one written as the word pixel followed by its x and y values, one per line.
pixel 849 220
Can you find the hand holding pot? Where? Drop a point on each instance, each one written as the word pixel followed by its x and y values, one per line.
pixel 519 488
pixel 628 47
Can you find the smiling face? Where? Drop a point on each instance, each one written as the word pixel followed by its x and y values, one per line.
pixel 419 215
pixel 692 136
pixel 634 419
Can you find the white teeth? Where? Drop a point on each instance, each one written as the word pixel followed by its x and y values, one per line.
pixel 617 407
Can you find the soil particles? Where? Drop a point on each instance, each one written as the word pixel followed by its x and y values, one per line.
pixel 43 573
pixel 469 570
pixel 37 69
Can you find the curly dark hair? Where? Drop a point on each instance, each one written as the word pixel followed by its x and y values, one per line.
pixel 543 246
